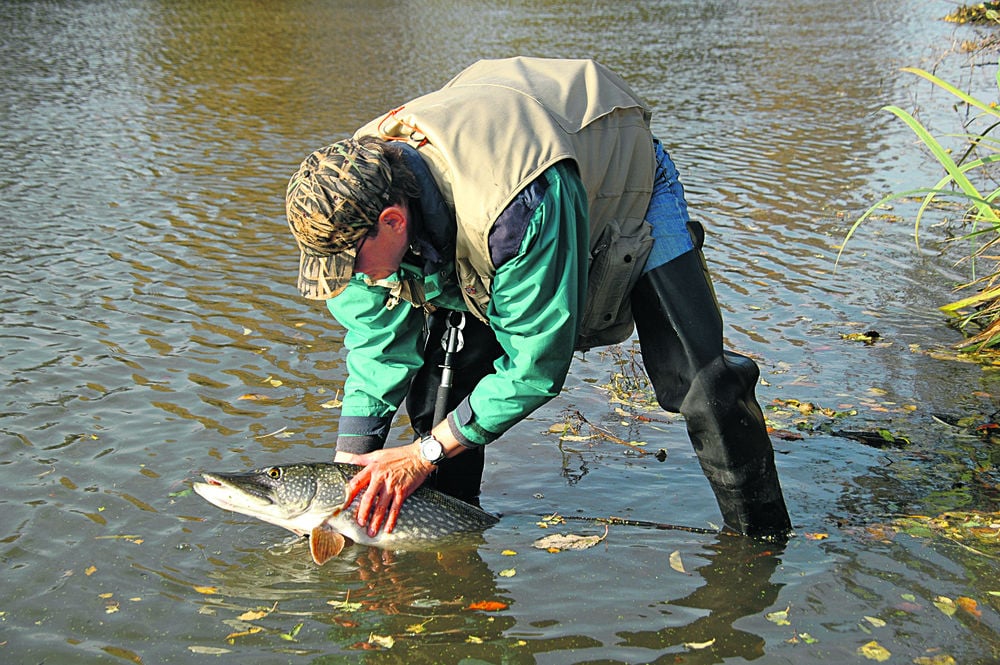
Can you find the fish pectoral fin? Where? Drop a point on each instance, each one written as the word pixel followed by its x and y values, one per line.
pixel 325 543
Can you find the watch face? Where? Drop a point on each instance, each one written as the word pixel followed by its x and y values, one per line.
pixel 432 449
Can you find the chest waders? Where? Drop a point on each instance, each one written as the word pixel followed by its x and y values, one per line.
pixel 449 373
pixel 680 336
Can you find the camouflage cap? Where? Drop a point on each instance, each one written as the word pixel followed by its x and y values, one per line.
pixel 333 200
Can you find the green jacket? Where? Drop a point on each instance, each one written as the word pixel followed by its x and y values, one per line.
pixel 579 126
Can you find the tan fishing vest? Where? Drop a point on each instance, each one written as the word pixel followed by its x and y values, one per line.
pixel 497 126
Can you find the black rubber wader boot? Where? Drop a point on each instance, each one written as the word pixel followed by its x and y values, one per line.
pixel 462 475
pixel 680 336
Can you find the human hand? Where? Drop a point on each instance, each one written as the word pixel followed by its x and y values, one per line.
pixel 389 476
pixel 346 458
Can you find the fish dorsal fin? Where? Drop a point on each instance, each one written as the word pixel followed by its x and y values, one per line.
pixel 325 543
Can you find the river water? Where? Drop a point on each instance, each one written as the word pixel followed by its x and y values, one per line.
pixel 151 329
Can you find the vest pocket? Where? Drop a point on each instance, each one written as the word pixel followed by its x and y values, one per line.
pixel 616 262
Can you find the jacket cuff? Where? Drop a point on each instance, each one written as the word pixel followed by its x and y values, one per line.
pixel 463 425
pixel 361 434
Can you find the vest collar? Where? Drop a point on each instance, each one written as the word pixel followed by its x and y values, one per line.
pixel 434 237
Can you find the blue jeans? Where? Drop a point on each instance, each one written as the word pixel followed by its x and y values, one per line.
pixel 667 213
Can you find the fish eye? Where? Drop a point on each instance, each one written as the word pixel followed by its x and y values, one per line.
pixel 274 473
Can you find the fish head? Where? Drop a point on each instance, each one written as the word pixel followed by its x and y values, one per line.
pixel 280 495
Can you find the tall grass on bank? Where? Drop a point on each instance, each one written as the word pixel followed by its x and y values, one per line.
pixel 977 315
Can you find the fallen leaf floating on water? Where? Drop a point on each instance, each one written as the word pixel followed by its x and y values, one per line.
pixel 252 630
pixel 699 645
pixel 676 563
pixel 558 542
pixel 869 337
pixel 488 606
pixel 941 659
pixel 384 641
pixel 802 637
pixel 254 397
pixel 253 615
pixel 969 605
pixel 290 635
pixel 946 605
pixel 418 628
pixel 874 651
pixel 875 621
pixel 780 617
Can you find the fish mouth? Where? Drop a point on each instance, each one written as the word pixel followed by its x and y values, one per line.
pixel 229 495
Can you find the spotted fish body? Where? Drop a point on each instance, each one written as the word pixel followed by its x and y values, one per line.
pixel 306 499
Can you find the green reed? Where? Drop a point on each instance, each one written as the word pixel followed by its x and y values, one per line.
pixel 977 315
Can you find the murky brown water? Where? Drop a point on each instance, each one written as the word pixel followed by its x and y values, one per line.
pixel 147 284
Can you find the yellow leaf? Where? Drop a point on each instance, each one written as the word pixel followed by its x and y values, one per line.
pixel 255 397
pixel 817 536
pixel 253 615
pixel 508 553
pixel 699 645
pixel 942 659
pixel 875 621
pixel 780 617
pixel 105 595
pixel 874 651
pixel 676 563
pixel 252 630
pixel 945 604
pixel 509 572
pixel 90 571
pixel 208 590
pixel 384 641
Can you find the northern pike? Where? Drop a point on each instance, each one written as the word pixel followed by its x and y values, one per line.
pixel 307 499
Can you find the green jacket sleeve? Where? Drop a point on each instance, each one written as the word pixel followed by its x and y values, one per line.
pixel 537 298
pixel 383 355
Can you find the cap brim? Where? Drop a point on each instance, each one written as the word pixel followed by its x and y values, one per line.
pixel 323 277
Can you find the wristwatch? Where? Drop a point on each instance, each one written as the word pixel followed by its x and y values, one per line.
pixel 431 449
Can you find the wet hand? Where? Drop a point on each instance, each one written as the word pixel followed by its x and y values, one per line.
pixel 389 476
